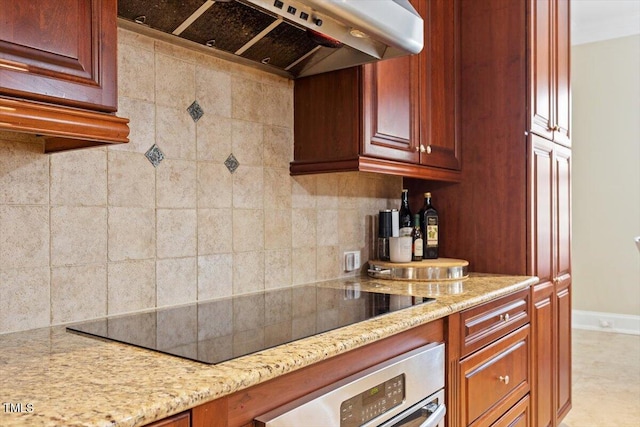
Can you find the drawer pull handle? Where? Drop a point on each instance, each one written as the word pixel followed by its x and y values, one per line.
pixel 504 317
pixel 504 379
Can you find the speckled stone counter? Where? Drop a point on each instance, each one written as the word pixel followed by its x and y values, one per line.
pixel 50 377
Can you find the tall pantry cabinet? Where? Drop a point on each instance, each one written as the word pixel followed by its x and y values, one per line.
pixel 511 212
pixel 550 200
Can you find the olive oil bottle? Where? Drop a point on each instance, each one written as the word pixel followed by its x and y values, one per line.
pixel 429 219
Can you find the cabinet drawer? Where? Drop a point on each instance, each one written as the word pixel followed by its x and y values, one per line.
pixel 495 378
pixel 518 416
pixel 486 323
pixel 182 419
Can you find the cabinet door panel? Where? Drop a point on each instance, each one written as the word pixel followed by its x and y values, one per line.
pixel 59 51
pixel 388 110
pixel 392 93
pixel 563 389
pixel 542 383
pixel 541 68
pixel 438 82
pixel 562 69
pixel 327 123
pixel 61 22
pixel 542 216
pixel 562 183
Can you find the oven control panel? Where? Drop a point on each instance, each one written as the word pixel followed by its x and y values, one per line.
pixel 382 395
pixel 373 402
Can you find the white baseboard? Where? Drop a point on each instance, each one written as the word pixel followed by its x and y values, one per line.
pixel 606 322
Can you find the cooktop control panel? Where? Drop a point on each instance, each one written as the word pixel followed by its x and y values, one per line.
pixel 373 402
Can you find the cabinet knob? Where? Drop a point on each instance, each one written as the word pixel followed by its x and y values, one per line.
pixel 428 149
pixel 504 317
pixel 417 149
pixel 422 149
pixel 504 379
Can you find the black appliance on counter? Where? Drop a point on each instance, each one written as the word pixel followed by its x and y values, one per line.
pixel 223 329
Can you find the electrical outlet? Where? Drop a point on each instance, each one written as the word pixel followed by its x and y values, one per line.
pixel 606 324
pixel 351 260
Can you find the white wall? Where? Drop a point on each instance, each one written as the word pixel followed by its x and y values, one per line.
pixel 606 176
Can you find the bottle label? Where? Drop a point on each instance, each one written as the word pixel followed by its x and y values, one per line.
pixel 418 245
pixel 405 231
pixel 432 232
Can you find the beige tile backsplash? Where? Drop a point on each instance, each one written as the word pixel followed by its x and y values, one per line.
pixel 101 231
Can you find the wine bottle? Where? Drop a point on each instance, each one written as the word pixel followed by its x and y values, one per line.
pixel 405 214
pixel 418 242
pixel 429 216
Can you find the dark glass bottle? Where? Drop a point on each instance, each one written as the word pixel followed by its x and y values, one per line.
pixel 405 212
pixel 429 218
pixel 418 241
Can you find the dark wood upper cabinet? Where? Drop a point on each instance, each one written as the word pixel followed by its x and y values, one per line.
pixel 549 68
pixel 57 50
pixel 397 116
pixel 58 71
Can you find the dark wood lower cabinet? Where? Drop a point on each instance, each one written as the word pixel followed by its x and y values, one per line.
pixel 489 363
pixel 240 408
pixel 551 352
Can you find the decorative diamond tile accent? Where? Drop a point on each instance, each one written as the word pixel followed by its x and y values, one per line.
pixel 231 163
pixel 195 111
pixel 154 155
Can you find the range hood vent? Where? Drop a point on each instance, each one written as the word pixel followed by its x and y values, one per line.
pixel 294 38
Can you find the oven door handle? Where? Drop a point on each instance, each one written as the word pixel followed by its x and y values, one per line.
pixel 436 415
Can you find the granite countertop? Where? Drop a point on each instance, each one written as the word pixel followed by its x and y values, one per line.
pixel 50 377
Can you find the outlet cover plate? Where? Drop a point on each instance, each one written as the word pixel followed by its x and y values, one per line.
pixel 351 260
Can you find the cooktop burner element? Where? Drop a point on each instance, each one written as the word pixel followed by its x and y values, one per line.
pixel 219 330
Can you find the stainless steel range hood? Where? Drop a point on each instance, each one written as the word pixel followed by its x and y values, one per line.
pixel 295 38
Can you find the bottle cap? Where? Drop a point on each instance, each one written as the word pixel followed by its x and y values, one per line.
pixel 427 194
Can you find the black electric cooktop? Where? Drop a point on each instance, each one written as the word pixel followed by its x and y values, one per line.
pixel 218 330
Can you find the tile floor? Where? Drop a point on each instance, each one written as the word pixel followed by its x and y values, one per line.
pixel 606 380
